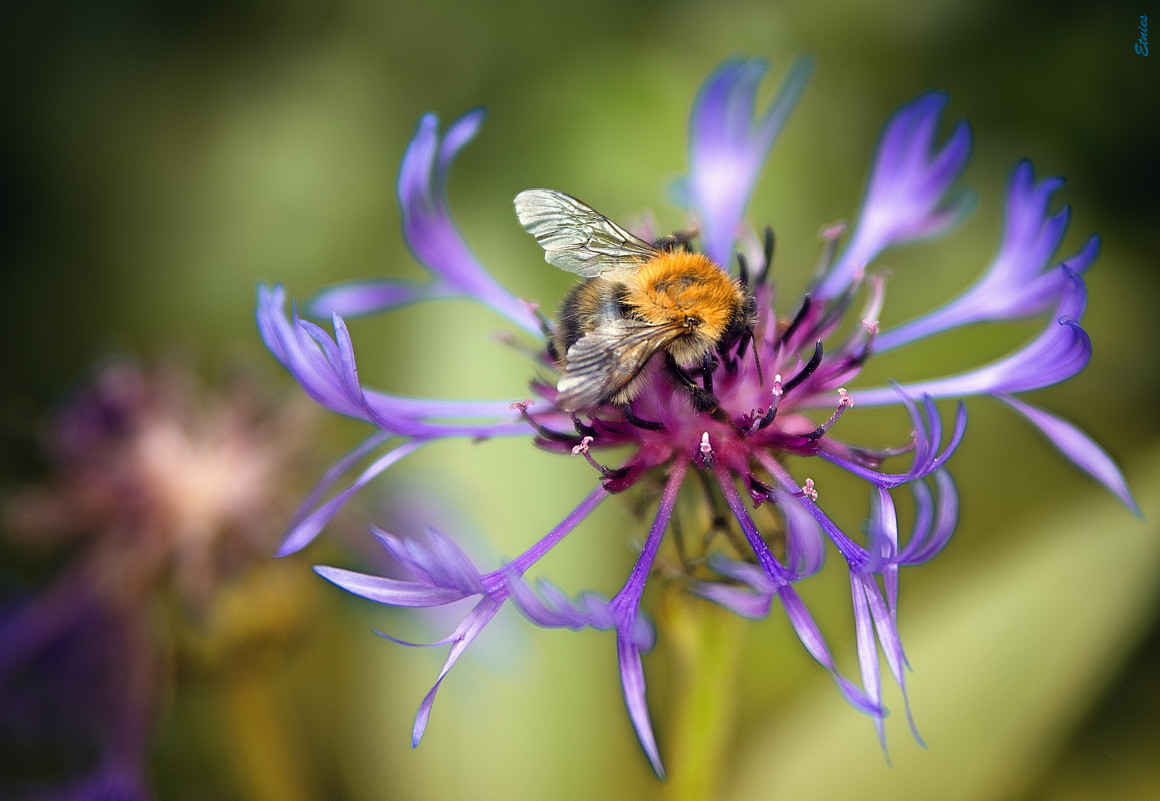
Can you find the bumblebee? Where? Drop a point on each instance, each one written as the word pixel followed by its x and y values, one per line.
pixel 636 300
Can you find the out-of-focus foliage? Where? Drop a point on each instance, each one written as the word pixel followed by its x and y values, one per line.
pixel 158 159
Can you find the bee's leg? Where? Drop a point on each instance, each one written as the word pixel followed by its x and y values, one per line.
pixel 708 365
pixel 703 400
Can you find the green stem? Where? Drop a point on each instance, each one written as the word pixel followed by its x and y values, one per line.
pixel 706 642
pixel 267 768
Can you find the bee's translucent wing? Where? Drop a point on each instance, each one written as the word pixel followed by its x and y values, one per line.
pixel 606 359
pixel 577 238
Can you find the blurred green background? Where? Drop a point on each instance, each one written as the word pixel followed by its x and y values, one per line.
pixel 158 159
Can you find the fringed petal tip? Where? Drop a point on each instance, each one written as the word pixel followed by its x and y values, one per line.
pixel 439 561
pixel 728 145
pixel 1079 448
pixel 906 198
pixel 1019 282
pixel 429 228
pixel 459 133
pixel 310 519
pixel 1058 352
pixel 392 592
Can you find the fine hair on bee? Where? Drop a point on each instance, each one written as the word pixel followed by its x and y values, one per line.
pixel 636 300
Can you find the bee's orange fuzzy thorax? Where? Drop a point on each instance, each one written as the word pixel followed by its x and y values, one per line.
pixel 685 289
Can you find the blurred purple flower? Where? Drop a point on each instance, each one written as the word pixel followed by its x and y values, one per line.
pixel 161 492
pixel 762 423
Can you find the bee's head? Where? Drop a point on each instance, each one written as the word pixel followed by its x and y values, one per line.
pixel 743 321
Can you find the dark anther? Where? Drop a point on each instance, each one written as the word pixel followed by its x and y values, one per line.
pixel 806 371
pixel 758 489
pixel 545 323
pixel 743 342
pixel 609 473
pixel 869 458
pixel 858 359
pixel 767 248
pixel 742 345
pixel 815 435
pixel 768 419
pixel 864 354
pixel 544 431
pixel 583 429
pixel 797 320
pixel 742 269
pixel 757 484
pixel 640 422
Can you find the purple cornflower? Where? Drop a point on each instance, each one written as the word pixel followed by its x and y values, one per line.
pixel 776 412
